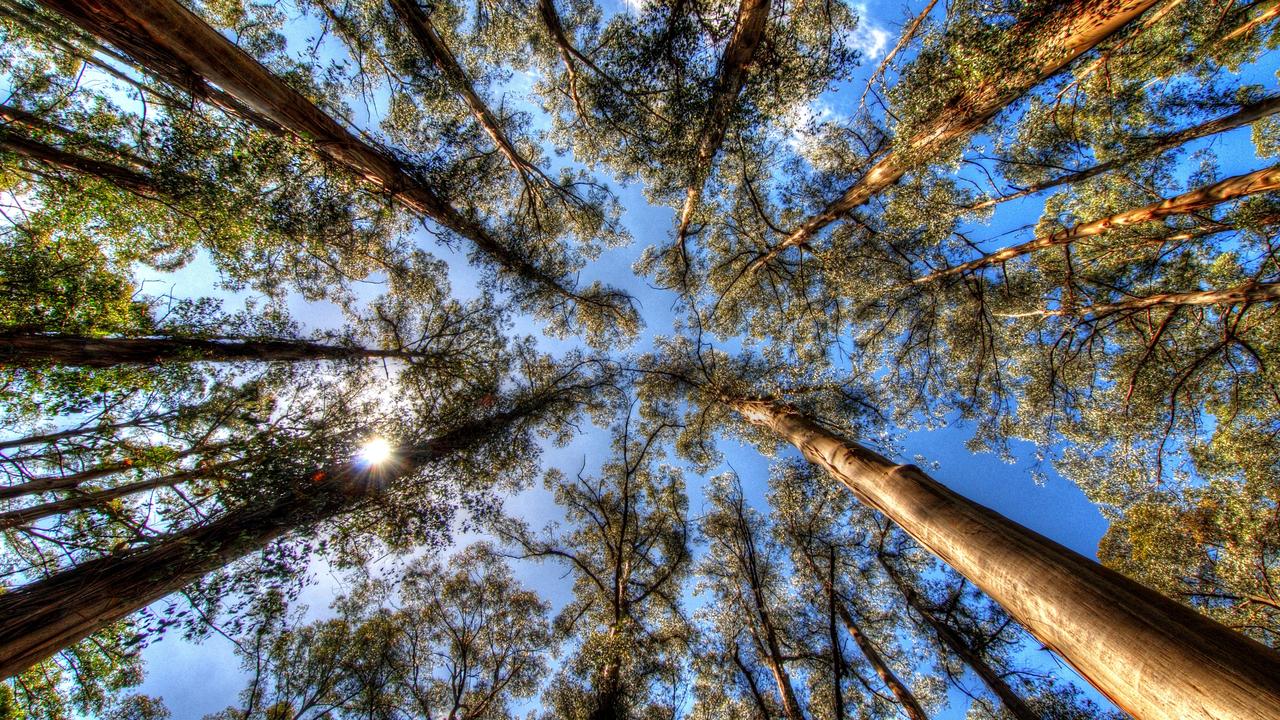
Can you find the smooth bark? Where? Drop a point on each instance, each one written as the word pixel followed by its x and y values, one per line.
pixel 1233 188
pixel 1040 45
pixel 433 47
pixel 168 40
pixel 1147 147
pixel 1153 657
pixel 906 699
pixel 735 65
pixel 43 617
pixel 1239 295
pixel 35 349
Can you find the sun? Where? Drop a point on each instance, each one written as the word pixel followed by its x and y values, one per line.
pixel 375 451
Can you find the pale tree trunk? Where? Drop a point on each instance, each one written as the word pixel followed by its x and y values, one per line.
pixel 46 616
pixel 171 42
pixel 952 640
pixel 1153 657
pixel 1040 45
pixel 901 693
pixel 1233 188
pixel 735 65
pixel 35 349
pixel 1239 295
pixel 78 432
pixel 773 656
pixel 1146 148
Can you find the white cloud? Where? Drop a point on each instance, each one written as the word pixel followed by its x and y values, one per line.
pixel 869 37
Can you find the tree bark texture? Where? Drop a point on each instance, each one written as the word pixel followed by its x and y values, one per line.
pixel 43 617
pixel 35 349
pixel 735 65
pixel 128 179
pixel 1233 188
pixel 1153 657
pixel 1040 44
pixel 168 40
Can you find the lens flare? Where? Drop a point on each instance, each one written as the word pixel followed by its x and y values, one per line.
pixel 375 451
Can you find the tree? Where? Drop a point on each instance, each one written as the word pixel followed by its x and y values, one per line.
pixel 50 614
pixel 163 38
pixel 627 548
pixel 463 643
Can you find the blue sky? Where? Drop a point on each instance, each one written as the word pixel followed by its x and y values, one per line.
pixel 203 677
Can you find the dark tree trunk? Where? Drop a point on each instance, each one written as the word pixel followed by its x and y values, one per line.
pixel 39 619
pixel 71 480
pixel 901 693
pixel 136 182
pixel 1152 656
pixel 36 349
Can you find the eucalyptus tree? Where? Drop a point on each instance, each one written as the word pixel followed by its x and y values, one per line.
pixel 661 93
pixel 464 643
pixel 752 618
pixel 823 532
pixel 308 485
pixel 627 548
pixel 1091 616
pixel 162 40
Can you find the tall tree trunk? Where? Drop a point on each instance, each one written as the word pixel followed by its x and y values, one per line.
pixel 1152 656
pixel 171 42
pixel 1039 44
pixel 773 656
pixel 837 656
pixel 431 45
pixel 1233 188
pixel 1246 115
pixel 12 114
pixel 33 349
pixel 41 618
pixel 735 65
pixel 78 432
pixel 901 692
pixel 36 513
pixel 952 641
pixel 1239 295
pixel 71 480
pixel 134 181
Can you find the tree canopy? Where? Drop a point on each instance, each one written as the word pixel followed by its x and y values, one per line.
pixel 565 351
